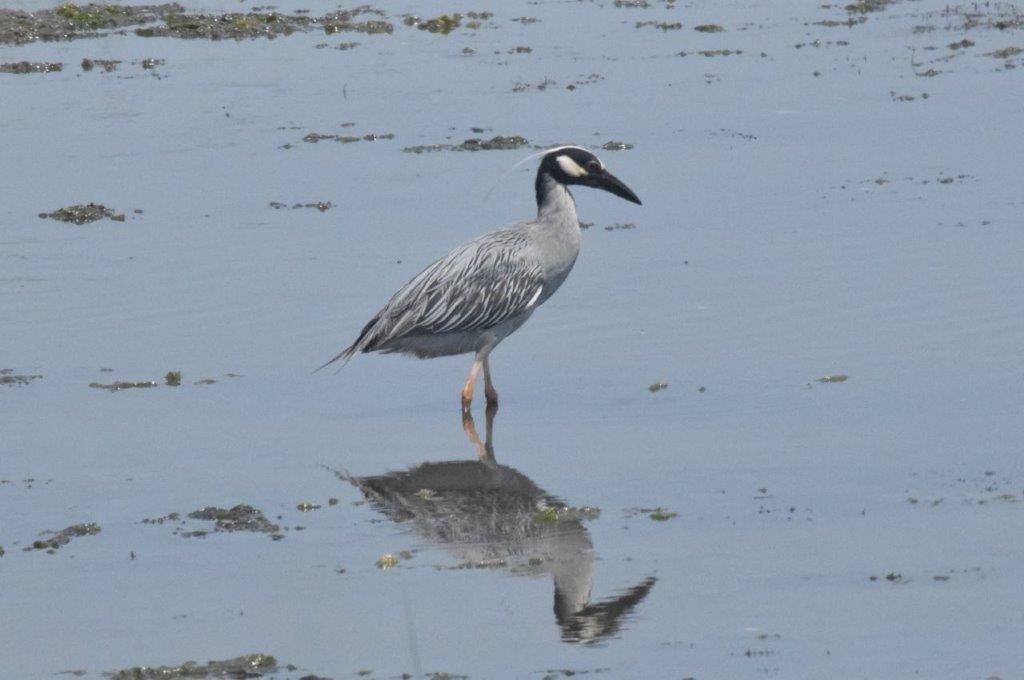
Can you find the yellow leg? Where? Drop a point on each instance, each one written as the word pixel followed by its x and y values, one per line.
pixel 467 389
pixel 489 391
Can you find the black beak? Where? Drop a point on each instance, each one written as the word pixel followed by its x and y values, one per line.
pixel 610 183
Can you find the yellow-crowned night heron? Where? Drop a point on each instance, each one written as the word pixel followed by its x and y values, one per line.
pixel 474 297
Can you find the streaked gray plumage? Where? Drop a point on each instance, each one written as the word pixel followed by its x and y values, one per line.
pixel 474 297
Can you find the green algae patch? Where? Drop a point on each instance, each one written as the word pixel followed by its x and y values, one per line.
pixel 55 539
pixel 83 214
pixel 443 24
pixel 248 666
pixel 70 21
pixel 498 143
pixel 23 67
pixel 173 378
pixel 551 514
pixel 89 16
pixel 546 515
pixel 658 514
pixel 387 561
pixel 347 21
pixel 11 379
pixel 261 24
pixel 232 25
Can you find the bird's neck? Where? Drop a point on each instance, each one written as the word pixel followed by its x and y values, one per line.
pixel 554 202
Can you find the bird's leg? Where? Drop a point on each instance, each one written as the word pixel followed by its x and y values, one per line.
pixel 485 449
pixel 489 391
pixel 467 389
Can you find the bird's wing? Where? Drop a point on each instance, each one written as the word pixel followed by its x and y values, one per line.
pixel 474 287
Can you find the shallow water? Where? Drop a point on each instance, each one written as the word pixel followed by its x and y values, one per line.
pixel 800 220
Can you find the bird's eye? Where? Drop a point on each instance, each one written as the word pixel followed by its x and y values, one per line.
pixel 593 166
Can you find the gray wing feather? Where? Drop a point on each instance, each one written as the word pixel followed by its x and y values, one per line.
pixel 475 287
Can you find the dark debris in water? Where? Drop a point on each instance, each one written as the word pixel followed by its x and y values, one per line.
pixel 322 206
pixel 663 25
pixel 708 28
pixel 616 146
pixel 849 22
pixel 10 378
pixel 906 97
pixel 83 214
pixel 55 540
pixel 238 518
pixel 866 6
pixel 22 67
pixel 107 65
pixel 1005 53
pixel 541 86
pixel 173 379
pixel 658 386
pixel 713 53
pixel 498 143
pixel 118 385
pixel 317 137
pixel 620 226
pixel 548 83
pixel 248 666
pixel 833 378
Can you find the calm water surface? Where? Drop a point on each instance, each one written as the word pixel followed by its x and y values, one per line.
pixel 802 217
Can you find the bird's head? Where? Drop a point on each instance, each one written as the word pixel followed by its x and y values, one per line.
pixel 575 165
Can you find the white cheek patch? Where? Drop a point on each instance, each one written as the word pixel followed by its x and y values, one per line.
pixel 570 167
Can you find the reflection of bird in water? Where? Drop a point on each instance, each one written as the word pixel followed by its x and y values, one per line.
pixel 492 515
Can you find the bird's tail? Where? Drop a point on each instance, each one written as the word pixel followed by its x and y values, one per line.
pixel 343 356
pixel 362 344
